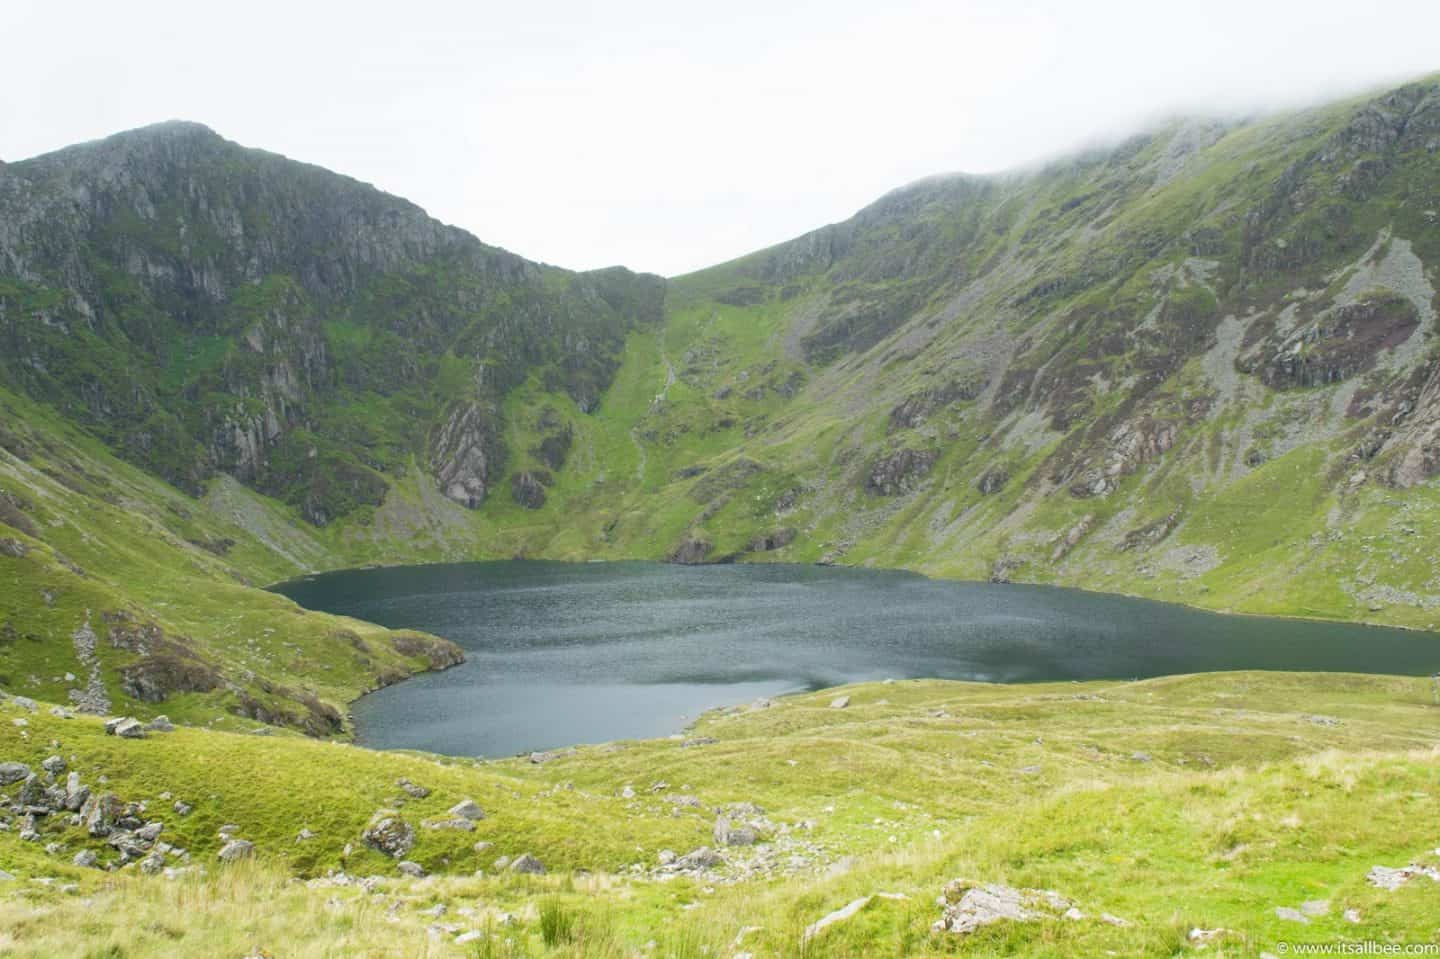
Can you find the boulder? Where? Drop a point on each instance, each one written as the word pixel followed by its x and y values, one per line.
pixel 730 834
pixel 840 702
pixel 415 791
pixel 462 825
pixel 968 905
pixel 236 850
pixel 98 814
pixel 527 863
pixel 160 724
pixel 86 859
pixel 13 773
pixel 54 765
pixel 467 809
pixel 129 729
pixel 412 869
pixel 390 835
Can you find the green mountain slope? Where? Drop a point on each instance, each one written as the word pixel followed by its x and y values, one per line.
pixel 1197 365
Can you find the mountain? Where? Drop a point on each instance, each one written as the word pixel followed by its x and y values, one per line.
pixel 208 309
pixel 1198 365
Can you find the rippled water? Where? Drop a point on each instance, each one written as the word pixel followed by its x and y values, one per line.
pixel 564 653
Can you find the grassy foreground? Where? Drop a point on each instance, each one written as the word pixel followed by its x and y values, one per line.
pixel 1172 804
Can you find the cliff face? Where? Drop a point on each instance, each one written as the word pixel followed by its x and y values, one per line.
pixel 207 308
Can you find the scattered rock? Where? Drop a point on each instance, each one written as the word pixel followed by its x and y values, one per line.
pixel 305 835
pixel 160 724
pixel 415 791
pixel 54 765
pixel 463 825
pixel 236 850
pixel 1315 907
pixel 528 864
pixel 412 869
pixel 86 859
pixel 13 773
pixel 390 835
pixel 968 905
pixel 840 702
pixel 728 834
pixel 699 741
pixel 839 915
pixel 699 860
pixel 183 808
pixel 1290 915
pixel 127 728
pixel 467 809
pixel 1198 935
pixel 1384 877
pixel 1352 916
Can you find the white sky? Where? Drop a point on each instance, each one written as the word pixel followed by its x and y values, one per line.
pixel 668 136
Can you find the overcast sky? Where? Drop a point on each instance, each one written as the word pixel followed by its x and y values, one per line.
pixel 669 135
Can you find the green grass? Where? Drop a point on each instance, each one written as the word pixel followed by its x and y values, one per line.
pixel 1246 803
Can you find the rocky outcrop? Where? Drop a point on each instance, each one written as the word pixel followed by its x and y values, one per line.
pixel 691 550
pixel 778 539
pixel 528 487
pixel 900 471
pixel 462 453
pixel 390 835
pixel 237 308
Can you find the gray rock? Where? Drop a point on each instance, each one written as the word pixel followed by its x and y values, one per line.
pixel 968 906
pixel 462 825
pixel 75 792
pixel 390 835
pixel 467 809
pixel 32 791
pixel 183 808
pixel 149 832
pixel 99 813
pixel 699 741
pixel 54 765
pixel 160 724
pixel 415 791
pixel 1315 907
pixel 13 773
pixel 699 859
pixel 840 702
pixel 412 869
pixel 527 863
pixel 129 729
pixel 729 834
pixel 1290 915
pixel 305 835
pixel 236 850
pixel 86 859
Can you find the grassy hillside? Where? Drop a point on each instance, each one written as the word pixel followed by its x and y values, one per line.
pixel 1187 802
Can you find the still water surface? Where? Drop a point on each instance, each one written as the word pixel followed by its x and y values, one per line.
pixel 562 653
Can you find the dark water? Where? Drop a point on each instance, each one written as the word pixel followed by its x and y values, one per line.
pixel 564 653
